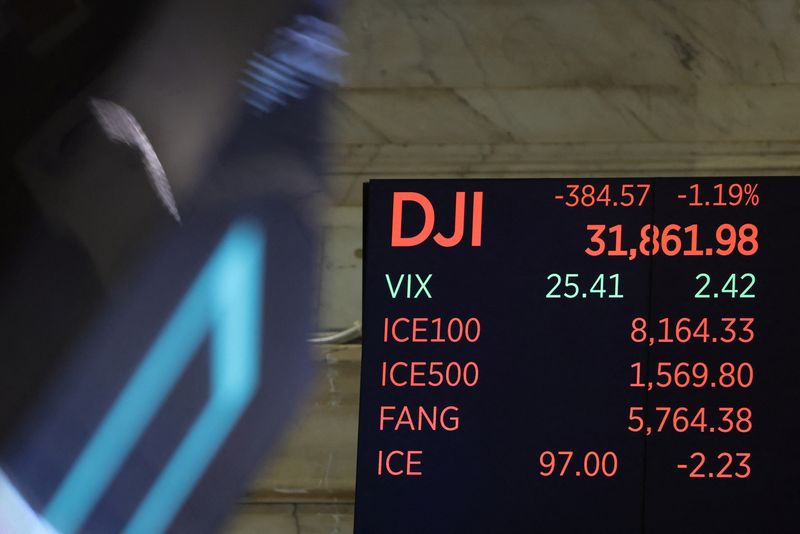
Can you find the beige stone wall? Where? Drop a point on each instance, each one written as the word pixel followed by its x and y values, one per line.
pixel 567 87
pixel 523 88
pixel 308 484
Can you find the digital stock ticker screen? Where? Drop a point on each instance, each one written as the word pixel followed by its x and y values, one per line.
pixel 580 355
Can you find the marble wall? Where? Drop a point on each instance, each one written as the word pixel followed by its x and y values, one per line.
pixel 523 88
pixel 567 87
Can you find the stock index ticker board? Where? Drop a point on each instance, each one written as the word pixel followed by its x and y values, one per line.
pixel 571 356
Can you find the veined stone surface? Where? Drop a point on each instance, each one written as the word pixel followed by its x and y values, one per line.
pixel 529 88
pixel 515 88
pixel 554 43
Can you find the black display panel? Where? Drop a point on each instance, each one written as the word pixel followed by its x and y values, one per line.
pixel 572 356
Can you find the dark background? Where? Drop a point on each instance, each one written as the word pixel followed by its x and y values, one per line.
pixel 49 51
pixel 555 373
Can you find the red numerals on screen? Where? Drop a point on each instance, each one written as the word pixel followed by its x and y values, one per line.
pixel 720 195
pixel 699 330
pixel 672 240
pixel 722 465
pixel 567 464
pixel 681 419
pixel 694 375
pixel 588 195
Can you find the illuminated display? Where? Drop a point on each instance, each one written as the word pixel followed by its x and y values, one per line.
pixel 580 356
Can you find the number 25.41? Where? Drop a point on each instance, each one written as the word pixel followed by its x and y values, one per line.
pixel 570 286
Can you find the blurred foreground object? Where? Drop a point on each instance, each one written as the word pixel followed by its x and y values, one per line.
pixel 158 417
